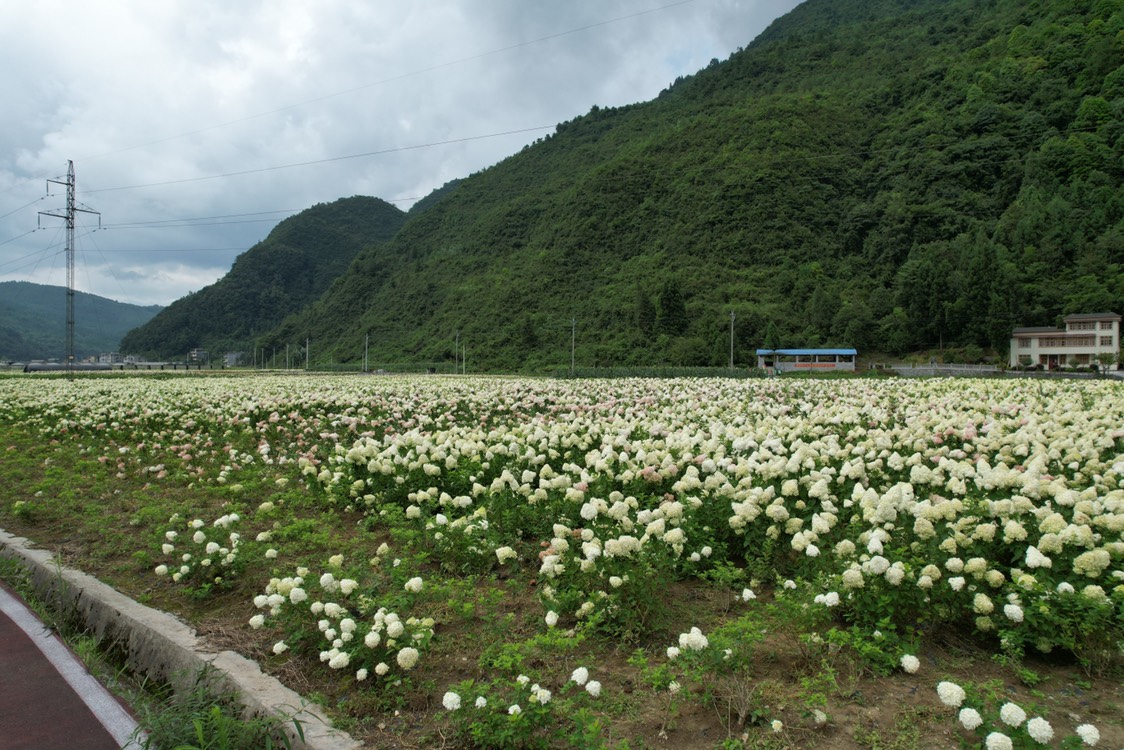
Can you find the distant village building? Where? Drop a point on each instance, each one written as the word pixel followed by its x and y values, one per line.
pixel 794 360
pixel 1084 338
pixel 198 356
pixel 110 358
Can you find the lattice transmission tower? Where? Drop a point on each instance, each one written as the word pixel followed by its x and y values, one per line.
pixel 71 208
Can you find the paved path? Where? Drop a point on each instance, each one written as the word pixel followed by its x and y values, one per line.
pixel 48 701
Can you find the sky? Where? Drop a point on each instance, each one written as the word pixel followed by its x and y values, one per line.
pixel 196 126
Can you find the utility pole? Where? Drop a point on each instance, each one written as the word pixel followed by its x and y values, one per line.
pixel 456 352
pixel 366 348
pixel 731 339
pixel 71 208
pixel 307 343
pixel 286 356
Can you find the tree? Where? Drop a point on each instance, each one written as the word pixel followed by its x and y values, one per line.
pixel 855 325
pixel 527 335
pixel 645 313
pixel 894 331
pixel 772 336
pixel 671 314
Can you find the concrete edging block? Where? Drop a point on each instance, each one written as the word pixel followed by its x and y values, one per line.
pixel 164 648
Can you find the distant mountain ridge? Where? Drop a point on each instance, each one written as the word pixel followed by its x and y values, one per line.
pixel 33 322
pixel 280 275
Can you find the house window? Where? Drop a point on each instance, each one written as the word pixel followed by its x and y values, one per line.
pixel 1085 326
pixel 1106 325
pixel 1024 343
pixel 1106 340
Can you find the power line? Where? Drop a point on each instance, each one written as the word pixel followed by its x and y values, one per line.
pixel 324 161
pixel 19 236
pixel 204 218
pixel 392 79
pixel 14 210
pixel 240 248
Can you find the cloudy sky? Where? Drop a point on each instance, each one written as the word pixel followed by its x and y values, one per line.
pixel 196 126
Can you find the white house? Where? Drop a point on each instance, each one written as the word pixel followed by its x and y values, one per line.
pixel 1084 338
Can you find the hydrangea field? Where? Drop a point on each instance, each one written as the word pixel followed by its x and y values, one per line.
pixel 536 563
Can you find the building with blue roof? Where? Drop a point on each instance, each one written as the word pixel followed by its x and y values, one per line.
pixel 816 360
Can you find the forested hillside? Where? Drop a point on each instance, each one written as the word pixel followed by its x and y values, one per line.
pixel 891 174
pixel 33 321
pixel 289 269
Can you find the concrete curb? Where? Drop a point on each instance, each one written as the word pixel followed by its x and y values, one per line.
pixel 163 648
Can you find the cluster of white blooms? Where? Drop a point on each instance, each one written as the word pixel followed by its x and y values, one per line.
pixel 693 640
pixel 347 635
pixel 1012 716
pixel 951 694
pixel 207 560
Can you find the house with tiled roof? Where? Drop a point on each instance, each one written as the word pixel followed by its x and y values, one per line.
pixel 1084 339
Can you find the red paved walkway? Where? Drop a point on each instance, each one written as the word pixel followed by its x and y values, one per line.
pixel 48 701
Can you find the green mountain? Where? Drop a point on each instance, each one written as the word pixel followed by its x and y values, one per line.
pixel 889 174
pixel 33 322
pixel 284 272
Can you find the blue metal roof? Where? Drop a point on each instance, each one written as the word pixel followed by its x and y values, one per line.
pixel 798 352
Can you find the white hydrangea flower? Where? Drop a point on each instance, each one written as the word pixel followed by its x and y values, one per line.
pixel 1089 734
pixel 910 663
pixel 1040 730
pixel 408 658
pixel 830 599
pixel 693 640
pixel 970 718
pixel 1012 714
pixel 951 694
pixel 451 701
pixel 998 741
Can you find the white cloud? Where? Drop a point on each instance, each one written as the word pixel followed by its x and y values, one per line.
pixel 144 93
